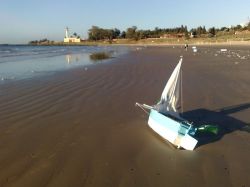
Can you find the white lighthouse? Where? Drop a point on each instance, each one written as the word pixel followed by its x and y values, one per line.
pixel 70 39
pixel 67 32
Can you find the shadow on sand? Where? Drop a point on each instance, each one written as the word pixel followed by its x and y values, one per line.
pixel 221 118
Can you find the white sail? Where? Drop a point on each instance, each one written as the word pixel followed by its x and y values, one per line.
pixel 171 93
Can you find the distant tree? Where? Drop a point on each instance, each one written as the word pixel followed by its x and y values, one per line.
pixel 94 33
pixel 148 34
pixel 199 30
pixel 238 27
pixel 131 33
pixel 123 34
pixel 108 34
pixel 187 35
pixel 141 34
pixel 212 32
pixel 204 30
pixel 224 29
pixel 117 33
pixel 182 29
pixel 97 33
pixel 156 33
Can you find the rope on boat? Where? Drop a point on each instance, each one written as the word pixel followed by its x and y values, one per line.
pixel 141 106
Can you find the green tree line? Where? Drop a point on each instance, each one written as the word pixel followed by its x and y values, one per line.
pixel 97 33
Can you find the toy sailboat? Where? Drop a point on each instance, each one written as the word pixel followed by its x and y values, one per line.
pixel 164 117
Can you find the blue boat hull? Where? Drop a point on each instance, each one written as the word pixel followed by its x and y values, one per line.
pixel 172 130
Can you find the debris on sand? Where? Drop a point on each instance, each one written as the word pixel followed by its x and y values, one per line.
pixel 194 49
pixel 223 50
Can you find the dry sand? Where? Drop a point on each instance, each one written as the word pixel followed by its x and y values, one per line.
pixel 81 128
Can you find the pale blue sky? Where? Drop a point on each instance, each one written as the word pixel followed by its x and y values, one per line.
pixel 25 20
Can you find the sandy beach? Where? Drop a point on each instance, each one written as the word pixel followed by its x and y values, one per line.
pixel 81 128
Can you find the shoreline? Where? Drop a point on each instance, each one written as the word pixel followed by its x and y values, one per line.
pixel 147 42
pixel 231 43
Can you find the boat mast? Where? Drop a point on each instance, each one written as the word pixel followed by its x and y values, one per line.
pixel 181 94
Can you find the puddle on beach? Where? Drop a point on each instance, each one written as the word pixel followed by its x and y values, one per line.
pixel 35 67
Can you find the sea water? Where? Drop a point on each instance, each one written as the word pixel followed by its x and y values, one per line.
pixel 22 62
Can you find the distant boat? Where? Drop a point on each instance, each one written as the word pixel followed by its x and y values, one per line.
pixel 165 119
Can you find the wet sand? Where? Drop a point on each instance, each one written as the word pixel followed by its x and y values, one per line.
pixel 81 127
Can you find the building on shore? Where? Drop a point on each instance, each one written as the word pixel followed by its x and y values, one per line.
pixel 70 39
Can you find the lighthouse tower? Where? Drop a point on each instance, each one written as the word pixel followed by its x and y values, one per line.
pixel 67 32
